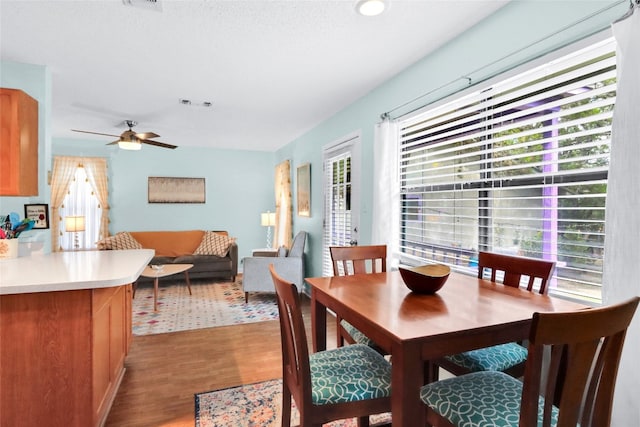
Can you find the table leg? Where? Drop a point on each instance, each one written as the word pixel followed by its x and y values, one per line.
pixel 155 294
pixel 406 380
pixel 186 276
pixel 318 323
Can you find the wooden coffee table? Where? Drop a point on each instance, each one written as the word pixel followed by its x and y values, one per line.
pixel 156 272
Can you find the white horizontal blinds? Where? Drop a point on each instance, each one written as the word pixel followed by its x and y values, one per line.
pixel 519 167
pixel 337 227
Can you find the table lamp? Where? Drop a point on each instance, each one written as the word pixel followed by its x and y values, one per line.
pixel 74 224
pixel 268 219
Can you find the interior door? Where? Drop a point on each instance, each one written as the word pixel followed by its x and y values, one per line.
pixel 342 197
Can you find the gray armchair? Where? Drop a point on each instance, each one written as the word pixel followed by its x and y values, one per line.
pixel 288 264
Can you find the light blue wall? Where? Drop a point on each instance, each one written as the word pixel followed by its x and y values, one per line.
pixel 239 186
pixel 34 80
pixel 513 29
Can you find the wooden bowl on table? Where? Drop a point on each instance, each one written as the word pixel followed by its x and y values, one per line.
pixel 425 279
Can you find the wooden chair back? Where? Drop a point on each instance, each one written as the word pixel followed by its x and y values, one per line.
pixel 296 373
pixel 349 260
pixel 585 348
pixel 515 267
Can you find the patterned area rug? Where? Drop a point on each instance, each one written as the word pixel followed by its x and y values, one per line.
pixel 254 405
pixel 212 304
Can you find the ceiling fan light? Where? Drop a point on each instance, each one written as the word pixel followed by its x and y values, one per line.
pixel 129 145
pixel 370 7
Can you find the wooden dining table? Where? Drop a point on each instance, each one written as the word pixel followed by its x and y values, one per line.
pixel 467 313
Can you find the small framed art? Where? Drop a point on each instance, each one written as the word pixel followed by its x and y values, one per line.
pixel 176 190
pixel 39 213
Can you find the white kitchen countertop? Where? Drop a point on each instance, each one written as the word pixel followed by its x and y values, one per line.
pixel 64 271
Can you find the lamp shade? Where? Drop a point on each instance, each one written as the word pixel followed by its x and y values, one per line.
pixel 130 145
pixel 129 141
pixel 74 223
pixel 268 219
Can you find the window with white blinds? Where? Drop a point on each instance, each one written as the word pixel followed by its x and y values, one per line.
pixel 517 167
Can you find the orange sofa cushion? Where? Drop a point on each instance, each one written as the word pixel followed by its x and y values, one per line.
pixel 170 243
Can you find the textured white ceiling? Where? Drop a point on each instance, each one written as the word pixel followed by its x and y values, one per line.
pixel 272 69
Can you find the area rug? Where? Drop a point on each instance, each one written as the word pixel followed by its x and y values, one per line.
pixel 254 405
pixel 212 304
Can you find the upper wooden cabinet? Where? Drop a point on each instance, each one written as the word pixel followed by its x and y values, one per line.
pixel 18 143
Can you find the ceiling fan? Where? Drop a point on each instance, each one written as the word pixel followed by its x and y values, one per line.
pixel 131 140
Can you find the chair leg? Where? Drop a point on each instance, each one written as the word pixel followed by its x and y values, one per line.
pixel 246 297
pixel 339 337
pixel 363 421
pixel 286 407
pixel 431 372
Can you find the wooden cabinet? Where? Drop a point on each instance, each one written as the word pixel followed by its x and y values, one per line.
pixel 62 355
pixel 18 143
pixel 128 319
pixel 109 346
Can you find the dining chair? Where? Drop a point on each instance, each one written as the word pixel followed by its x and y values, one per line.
pixel 348 260
pixel 577 352
pixel 345 382
pixel 509 358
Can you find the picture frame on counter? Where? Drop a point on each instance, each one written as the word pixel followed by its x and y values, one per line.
pixel 38 212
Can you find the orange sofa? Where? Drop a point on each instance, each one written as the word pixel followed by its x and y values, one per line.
pixel 213 253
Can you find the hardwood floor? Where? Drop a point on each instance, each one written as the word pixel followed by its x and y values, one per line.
pixel 164 371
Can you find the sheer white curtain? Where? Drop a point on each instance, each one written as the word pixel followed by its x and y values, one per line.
pixel 79 187
pixel 386 190
pixel 284 218
pixel 621 271
pixel 81 200
pixel 96 171
pixel 64 169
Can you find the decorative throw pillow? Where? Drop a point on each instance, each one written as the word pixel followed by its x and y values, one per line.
pixel 214 244
pixel 122 240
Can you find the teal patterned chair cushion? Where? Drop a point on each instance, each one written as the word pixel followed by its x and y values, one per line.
pixel 357 336
pixel 347 374
pixel 496 358
pixel 480 399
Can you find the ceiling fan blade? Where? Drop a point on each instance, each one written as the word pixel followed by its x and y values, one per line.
pixel 114 142
pixel 147 135
pixel 158 143
pixel 94 133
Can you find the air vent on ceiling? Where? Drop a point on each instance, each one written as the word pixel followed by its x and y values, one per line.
pixel 144 4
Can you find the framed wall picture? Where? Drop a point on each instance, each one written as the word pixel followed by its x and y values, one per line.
pixel 176 190
pixel 303 195
pixel 39 213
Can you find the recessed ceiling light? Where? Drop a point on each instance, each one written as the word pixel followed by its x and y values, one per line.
pixel 370 7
